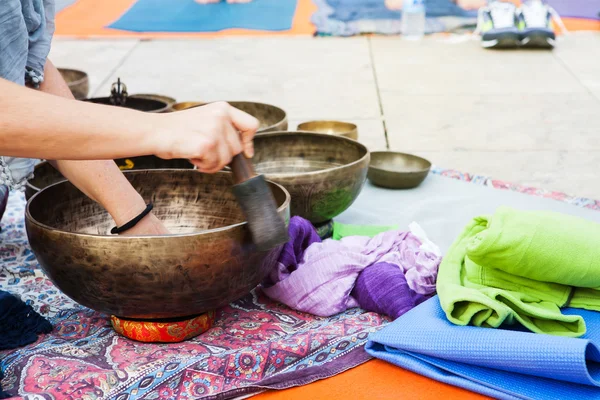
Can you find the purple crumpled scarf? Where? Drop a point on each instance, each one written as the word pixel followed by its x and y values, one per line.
pixel 318 277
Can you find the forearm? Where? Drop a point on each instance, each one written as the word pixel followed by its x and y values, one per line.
pixel 37 125
pixel 101 180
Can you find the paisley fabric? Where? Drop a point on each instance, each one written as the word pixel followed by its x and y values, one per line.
pixel 254 344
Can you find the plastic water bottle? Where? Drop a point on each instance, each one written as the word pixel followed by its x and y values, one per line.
pixel 413 19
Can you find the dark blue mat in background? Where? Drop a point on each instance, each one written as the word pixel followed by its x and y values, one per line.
pixel 504 364
pixel 354 10
pixel 189 16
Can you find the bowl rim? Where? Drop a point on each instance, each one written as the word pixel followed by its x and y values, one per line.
pixel 354 127
pixel 366 156
pixel 30 219
pixel 416 171
pixel 204 103
pixel 78 81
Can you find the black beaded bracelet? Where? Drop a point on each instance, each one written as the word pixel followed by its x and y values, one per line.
pixel 133 222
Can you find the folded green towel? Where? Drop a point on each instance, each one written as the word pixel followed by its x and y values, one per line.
pixel 343 230
pixel 522 266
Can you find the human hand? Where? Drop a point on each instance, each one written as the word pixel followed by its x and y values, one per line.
pixel 209 136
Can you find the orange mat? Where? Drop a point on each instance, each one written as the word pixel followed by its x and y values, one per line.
pixel 374 380
pixel 88 18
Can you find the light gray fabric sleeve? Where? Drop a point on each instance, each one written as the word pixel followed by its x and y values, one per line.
pixel 26 30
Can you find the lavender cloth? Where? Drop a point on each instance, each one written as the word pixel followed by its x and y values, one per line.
pixel 317 277
pixel 382 288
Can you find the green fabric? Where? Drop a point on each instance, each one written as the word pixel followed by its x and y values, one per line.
pixel 522 266
pixel 343 230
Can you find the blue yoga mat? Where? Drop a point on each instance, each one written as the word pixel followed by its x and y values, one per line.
pixel 189 16
pixel 502 363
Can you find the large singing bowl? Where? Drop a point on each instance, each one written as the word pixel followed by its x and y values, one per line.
pixel 46 175
pixel 323 173
pixel 208 261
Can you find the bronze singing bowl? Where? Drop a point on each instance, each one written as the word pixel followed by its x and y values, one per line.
pixel 271 118
pixel 185 105
pixel 78 82
pixel 340 128
pixel 45 174
pixel 169 101
pixel 135 103
pixel 208 261
pixel 397 170
pixel 323 173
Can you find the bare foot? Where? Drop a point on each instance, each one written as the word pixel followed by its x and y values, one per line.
pixel 393 4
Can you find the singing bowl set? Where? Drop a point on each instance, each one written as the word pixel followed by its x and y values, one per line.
pixel 340 128
pixel 206 263
pixel 323 173
pixel 209 259
pixel 77 81
pixel 397 170
pixel 271 118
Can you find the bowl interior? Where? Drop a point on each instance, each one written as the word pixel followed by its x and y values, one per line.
pixel 330 127
pixel 72 76
pixel 165 99
pixel 398 162
pixel 268 115
pixel 136 103
pixel 187 201
pixel 295 153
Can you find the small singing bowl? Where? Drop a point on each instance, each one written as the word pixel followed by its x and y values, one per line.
pixel 78 82
pixel 271 118
pixel 45 174
pixel 135 103
pixel 184 105
pixel 339 128
pixel 323 173
pixel 165 99
pixel 208 260
pixel 397 170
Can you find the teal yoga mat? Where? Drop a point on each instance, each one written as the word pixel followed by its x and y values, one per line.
pixel 504 364
pixel 189 16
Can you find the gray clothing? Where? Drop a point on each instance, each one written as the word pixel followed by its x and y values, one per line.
pixel 26 29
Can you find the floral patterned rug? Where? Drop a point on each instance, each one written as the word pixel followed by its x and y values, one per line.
pixel 255 344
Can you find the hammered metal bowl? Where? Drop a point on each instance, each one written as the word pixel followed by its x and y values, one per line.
pixel 185 105
pixel 271 118
pixel 397 170
pixel 208 261
pixel 165 99
pixel 340 128
pixel 78 82
pixel 45 174
pixel 135 103
pixel 323 173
